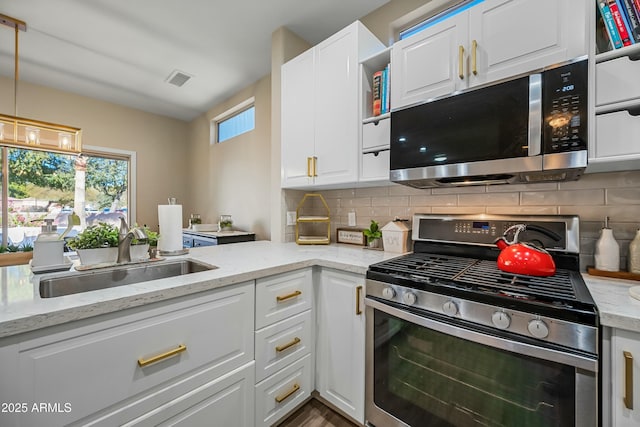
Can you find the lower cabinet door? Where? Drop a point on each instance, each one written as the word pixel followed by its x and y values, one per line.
pixel 226 401
pixel 625 371
pixel 282 392
pixel 340 341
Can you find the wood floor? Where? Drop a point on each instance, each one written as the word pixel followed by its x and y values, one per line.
pixel 315 414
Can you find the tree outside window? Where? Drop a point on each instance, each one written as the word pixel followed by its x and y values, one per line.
pixel 50 185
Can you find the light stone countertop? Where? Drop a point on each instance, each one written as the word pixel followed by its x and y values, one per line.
pixel 616 307
pixel 22 309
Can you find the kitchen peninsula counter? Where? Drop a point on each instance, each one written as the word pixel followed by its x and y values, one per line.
pixel 22 309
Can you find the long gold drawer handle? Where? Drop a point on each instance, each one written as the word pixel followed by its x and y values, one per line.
pixel 286 395
pixel 144 362
pixel 628 380
pixel 281 298
pixel 358 295
pixel 461 62
pixel 291 343
pixel 474 57
pixel 309 162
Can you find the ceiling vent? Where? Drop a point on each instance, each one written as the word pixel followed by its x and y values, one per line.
pixel 178 78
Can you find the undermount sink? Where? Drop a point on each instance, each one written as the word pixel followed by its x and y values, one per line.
pixel 78 282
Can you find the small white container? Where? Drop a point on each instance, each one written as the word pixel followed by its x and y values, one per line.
pixel 396 237
pixel 98 256
pixel 607 252
pixel 634 254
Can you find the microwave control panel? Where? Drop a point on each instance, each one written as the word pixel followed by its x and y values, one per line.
pixel 564 100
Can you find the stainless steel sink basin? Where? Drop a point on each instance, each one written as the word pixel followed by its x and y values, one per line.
pixel 117 276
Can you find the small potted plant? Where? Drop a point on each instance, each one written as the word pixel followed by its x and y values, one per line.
pixel 373 234
pixel 96 244
pixel 145 248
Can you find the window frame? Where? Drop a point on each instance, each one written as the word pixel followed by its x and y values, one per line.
pixel 105 152
pixel 228 114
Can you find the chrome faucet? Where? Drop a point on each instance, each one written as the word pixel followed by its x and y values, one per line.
pixel 124 242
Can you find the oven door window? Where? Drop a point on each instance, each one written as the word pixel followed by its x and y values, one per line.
pixel 424 377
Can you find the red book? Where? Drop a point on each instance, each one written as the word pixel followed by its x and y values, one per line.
pixel 622 29
pixel 377 93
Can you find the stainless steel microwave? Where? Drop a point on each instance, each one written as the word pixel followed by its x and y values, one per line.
pixel 528 129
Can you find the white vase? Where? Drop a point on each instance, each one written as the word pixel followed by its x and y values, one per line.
pixel 607 252
pixel 97 256
pixel 634 254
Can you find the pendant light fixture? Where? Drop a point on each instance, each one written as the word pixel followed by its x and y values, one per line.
pixel 34 134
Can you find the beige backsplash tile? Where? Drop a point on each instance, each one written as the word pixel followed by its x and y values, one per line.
pixel 593 197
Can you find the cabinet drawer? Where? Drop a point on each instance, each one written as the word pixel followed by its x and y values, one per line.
pixel 280 344
pixel 375 165
pixel 615 133
pixel 281 393
pixel 281 296
pixel 376 134
pixel 229 399
pixel 617 80
pixel 96 366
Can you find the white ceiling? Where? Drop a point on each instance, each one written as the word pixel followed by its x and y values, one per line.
pixel 122 51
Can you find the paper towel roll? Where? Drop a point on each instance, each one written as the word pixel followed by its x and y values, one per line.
pixel 170 219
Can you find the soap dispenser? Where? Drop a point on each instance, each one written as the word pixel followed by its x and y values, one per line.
pixel 48 249
pixel 607 252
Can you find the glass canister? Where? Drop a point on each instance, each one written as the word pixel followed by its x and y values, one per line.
pixel 225 223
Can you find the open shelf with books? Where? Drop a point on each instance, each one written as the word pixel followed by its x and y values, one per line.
pixel 617 28
pixel 375 72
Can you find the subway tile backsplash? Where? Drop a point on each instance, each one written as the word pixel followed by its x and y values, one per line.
pixel 593 197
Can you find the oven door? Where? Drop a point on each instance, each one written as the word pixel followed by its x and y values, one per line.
pixel 423 371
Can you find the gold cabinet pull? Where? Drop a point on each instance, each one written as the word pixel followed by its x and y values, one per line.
pixel 284 396
pixel 358 294
pixel 315 166
pixel 291 343
pixel 474 57
pixel 144 362
pixel 628 380
pixel 309 163
pixel 281 298
pixel 461 62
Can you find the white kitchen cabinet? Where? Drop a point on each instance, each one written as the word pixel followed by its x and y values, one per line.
pixel 340 341
pixel 617 121
pixel 108 361
pixel 493 40
pixel 625 382
pixel 284 344
pixel 320 110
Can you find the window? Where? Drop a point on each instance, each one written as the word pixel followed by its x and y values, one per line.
pixel 39 184
pixel 438 17
pixel 236 121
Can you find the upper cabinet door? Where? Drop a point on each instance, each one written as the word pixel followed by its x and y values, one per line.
pixel 298 116
pixel 429 64
pixel 518 36
pixel 336 107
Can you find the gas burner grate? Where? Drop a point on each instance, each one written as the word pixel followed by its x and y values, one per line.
pixel 485 274
pixel 481 275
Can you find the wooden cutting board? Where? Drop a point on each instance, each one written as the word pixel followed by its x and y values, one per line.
pixel 615 274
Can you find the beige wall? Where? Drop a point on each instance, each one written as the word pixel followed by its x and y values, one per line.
pixel 232 177
pixel 160 142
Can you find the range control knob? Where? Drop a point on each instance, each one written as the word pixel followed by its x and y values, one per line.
pixel 409 298
pixel 450 308
pixel 538 328
pixel 501 320
pixel 388 292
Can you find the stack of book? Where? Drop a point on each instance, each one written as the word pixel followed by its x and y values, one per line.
pixel 381 91
pixel 621 20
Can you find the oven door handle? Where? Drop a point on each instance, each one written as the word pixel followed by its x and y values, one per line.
pixel 551 355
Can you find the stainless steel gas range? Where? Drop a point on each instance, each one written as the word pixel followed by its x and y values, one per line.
pixel 454 341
